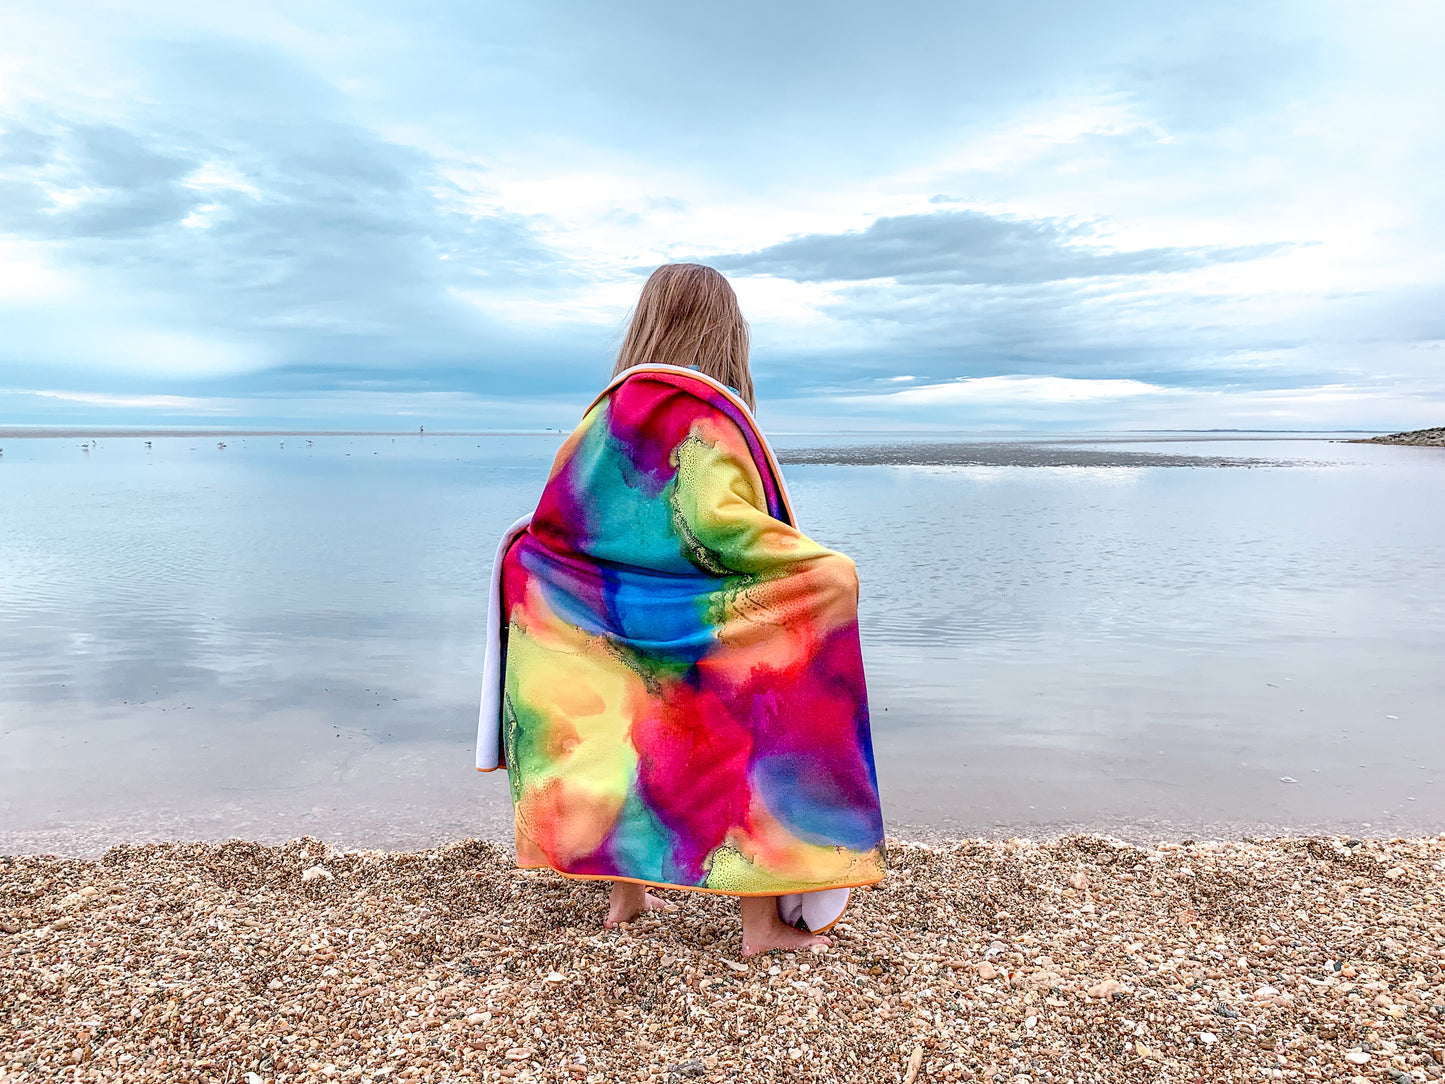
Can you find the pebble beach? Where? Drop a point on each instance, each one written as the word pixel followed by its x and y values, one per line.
pixel 1081 959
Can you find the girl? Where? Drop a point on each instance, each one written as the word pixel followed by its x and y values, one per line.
pixel 674 682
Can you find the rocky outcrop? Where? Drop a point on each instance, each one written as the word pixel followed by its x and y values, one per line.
pixel 1430 438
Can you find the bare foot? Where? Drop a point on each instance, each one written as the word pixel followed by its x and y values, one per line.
pixel 630 900
pixel 764 931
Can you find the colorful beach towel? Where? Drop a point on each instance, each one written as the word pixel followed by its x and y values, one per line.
pixel 674 681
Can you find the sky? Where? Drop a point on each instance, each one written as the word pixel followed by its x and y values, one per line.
pixel 952 215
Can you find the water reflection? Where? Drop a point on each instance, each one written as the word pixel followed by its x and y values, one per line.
pixel 263 639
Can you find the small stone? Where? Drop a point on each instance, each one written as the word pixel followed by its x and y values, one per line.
pixel 987 971
pixel 915 1062
pixel 9 925
pixel 1108 988
pixel 1357 1057
pixel 171 978
pixel 1079 880
pixel 1043 980
pixel 317 873
pixel 1395 873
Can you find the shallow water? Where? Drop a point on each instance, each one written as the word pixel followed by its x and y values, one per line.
pixel 282 637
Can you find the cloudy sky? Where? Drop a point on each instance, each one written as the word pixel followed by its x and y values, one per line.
pixel 956 214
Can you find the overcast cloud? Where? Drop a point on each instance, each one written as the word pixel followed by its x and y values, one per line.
pixel 969 247
pixel 936 214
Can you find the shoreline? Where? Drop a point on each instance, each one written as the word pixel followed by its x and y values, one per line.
pixel 56 432
pixel 1414 438
pixel 91 840
pixel 1165 436
pixel 1082 958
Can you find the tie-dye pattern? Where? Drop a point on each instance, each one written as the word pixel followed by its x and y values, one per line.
pixel 683 698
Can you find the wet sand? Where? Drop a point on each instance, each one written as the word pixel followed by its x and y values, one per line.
pixel 1081 960
pixel 1008 454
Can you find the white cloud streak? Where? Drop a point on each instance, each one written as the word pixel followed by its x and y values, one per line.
pixel 1013 389
pixel 185 404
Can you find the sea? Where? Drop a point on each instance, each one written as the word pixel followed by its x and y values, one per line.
pixel 1151 636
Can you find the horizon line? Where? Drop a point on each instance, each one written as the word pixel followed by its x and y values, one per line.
pixel 21 432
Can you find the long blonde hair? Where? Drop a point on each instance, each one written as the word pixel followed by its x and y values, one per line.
pixel 688 315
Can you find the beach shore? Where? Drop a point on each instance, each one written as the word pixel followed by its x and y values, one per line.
pixel 1080 959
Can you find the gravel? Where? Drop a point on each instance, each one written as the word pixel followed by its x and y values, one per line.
pixel 1081 959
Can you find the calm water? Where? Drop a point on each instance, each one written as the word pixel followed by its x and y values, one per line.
pixel 267 640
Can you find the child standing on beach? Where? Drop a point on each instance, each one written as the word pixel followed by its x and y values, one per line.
pixel 674 682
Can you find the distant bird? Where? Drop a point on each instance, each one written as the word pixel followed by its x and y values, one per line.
pixel 220 444
pixel 283 444
pixel 84 447
pixel 148 444
pixel 309 443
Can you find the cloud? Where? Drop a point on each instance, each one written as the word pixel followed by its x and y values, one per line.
pixel 296 240
pixel 88 181
pixel 284 205
pixel 1012 389
pixel 168 403
pixel 1018 402
pixel 970 247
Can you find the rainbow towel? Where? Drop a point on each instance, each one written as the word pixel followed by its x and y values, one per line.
pixel 674 681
